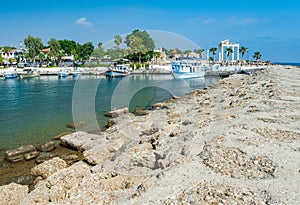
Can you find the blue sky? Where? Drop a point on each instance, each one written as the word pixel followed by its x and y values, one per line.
pixel 271 27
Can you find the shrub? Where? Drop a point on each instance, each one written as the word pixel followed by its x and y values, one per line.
pixel 137 66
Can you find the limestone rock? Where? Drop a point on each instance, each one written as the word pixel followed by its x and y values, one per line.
pixel 98 154
pixel 70 159
pixel 140 112
pixel 23 180
pixel 16 155
pixel 13 194
pixel 49 167
pixel 31 155
pixel 117 112
pixel 77 139
pixel 60 186
pixel 47 147
pixel 45 156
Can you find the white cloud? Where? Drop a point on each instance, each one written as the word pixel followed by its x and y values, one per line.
pixel 202 20
pixel 208 21
pixel 83 21
pixel 234 20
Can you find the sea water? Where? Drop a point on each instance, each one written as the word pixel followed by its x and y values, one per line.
pixel 34 110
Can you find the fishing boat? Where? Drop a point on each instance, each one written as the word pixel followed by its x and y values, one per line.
pixel 117 70
pixel 184 70
pixel 29 73
pixel 10 74
pixel 63 73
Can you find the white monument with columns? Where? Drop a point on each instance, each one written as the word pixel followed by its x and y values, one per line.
pixel 222 51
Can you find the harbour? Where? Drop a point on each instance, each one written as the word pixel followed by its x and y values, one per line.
pixel 37 109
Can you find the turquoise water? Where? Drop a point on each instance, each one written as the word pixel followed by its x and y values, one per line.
pixel 32 111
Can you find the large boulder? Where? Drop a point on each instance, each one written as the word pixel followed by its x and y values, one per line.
pixel 18 154
pixel 49 167
pixel 58 187
pixel 117 112
pixel 13 193
pixel 98 154
pixel 77 139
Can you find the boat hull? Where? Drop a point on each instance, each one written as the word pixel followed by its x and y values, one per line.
pixel 115 74
pixel 186 75
pixel 10 75
pixel 62 75
pixel 22 76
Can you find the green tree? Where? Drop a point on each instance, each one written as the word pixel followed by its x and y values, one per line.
pixel 34 46
pixel 139 42
pixel 113 54
pixel 213 51
pixel 199 51
pixel 7 49
pixel 136 45
pixel 187 53
pixel 41 57
pixel 98 53
pixel 1 59
pixel 210 59
pixel 257 55
pixel 55 49
pixel 68 45
pixel 84 51
pixel 118 40
pixel 242 51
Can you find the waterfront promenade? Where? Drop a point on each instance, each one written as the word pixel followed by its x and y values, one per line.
pixel 237 142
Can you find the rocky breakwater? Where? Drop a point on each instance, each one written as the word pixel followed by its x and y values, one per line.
pixel 238 142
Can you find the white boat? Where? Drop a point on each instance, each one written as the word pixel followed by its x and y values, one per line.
pixel 117 70
pixel 183 70
pixel 29 72
pixel 63 73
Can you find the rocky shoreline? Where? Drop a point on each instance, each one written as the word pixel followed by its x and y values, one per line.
pixel 238 142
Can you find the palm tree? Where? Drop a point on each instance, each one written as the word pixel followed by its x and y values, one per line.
pixel 228 52
pixel 187 53
pixel 257 56
pixel 242 51
pixel 199 51
pixel 213 51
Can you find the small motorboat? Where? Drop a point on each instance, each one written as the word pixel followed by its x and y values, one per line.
pixel 10 75
pixel 62 73
pixel 29 73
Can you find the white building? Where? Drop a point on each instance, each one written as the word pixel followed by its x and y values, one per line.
pixel 13 54
pixel 234 56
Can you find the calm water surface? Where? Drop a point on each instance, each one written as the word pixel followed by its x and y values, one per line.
pixel 32 111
